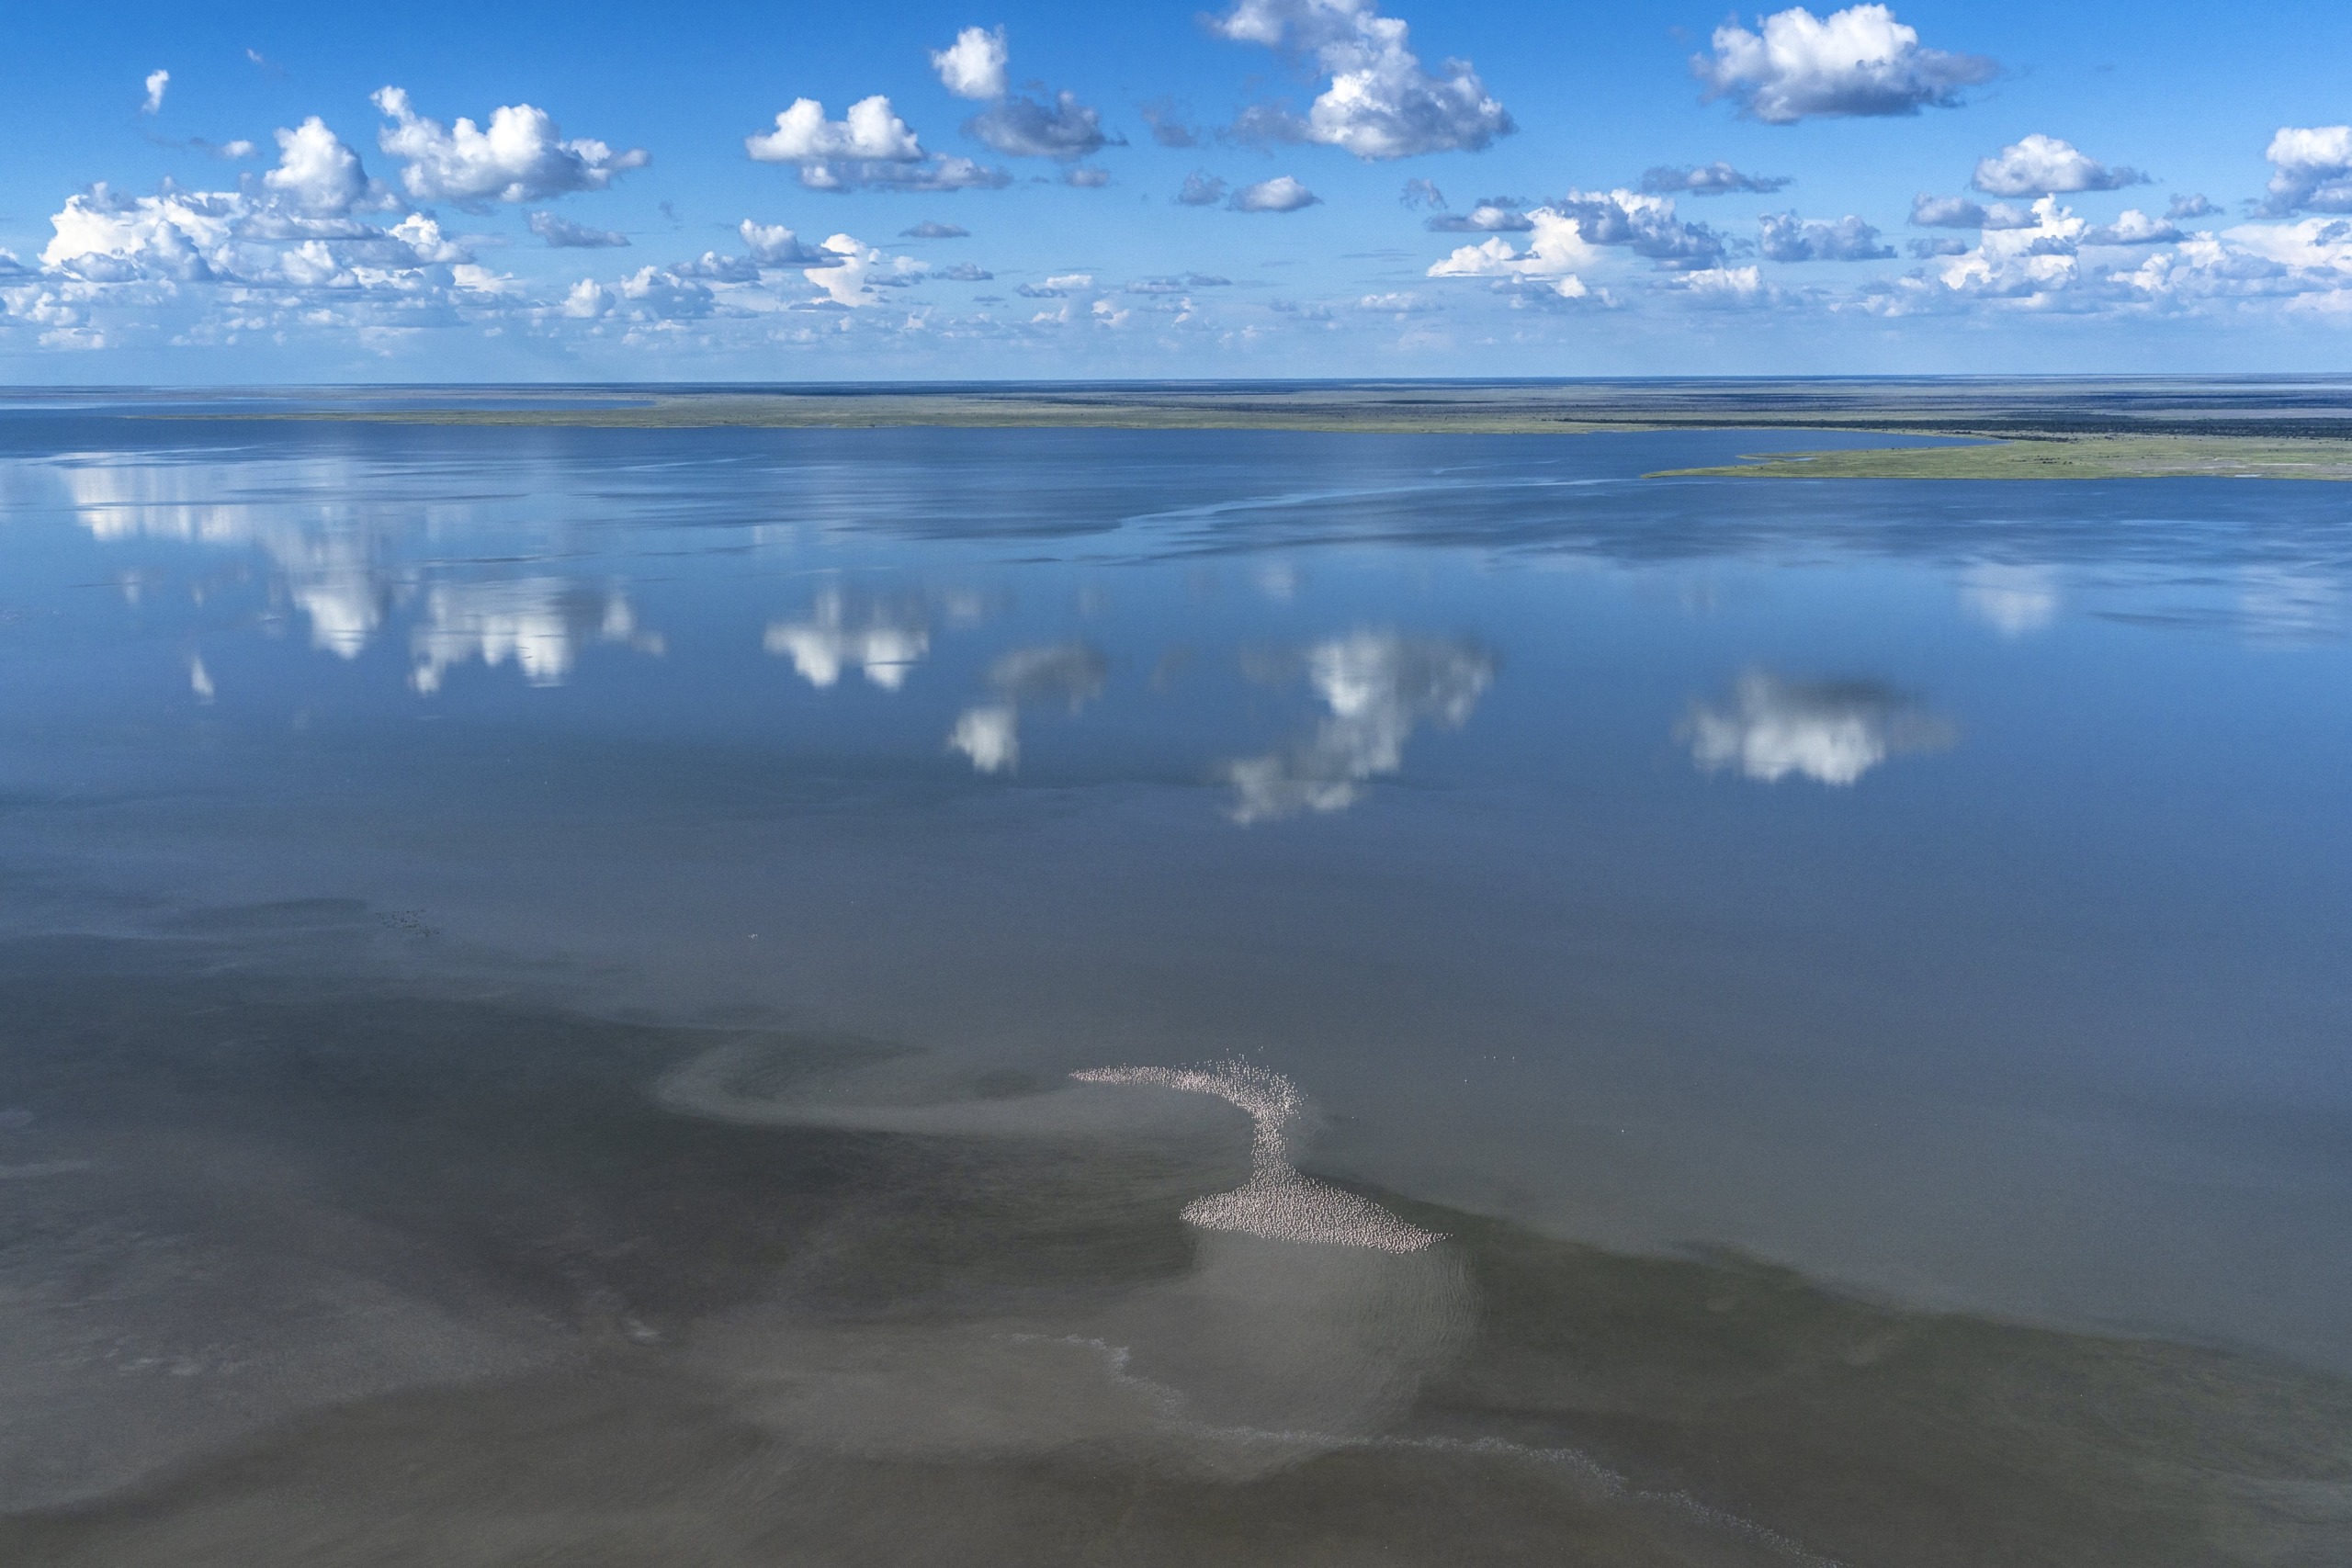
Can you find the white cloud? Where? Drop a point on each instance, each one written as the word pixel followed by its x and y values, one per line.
pixel 2042 165
pixel 1830 731
pixel 2133 227
pixel 564 235
pixel 773 245
pixel 930 230
pixel 973 66
pixel 1281 194
pixel 1647 225
pixel 1379 687
pixel 157 81
pixel 1555 256
pixel 522 157
pixel 1015 125
pixel 1785 237
pixel 870 145
pixel 317 174
pixel 1381 102
pixel 2311 170
pixel 883 645
pixel 2020 263
pixel 181 235
pixel 1059 286
pixel 1859 61
pixel 425 243
pixel 1726 288
pixel 660 294
pixel 1488 215
pixel 870 132
pixel 857 269
pixel 1568 235
pixel 1717 178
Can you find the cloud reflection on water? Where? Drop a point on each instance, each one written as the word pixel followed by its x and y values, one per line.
pixel 540 623
pixel 1832 731
pixel 2013 600
pixel 1379 686
pixel 884 644
pixel 989 733
pixel 330 564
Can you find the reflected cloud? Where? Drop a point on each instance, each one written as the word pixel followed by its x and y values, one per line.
pixel 540 623
pixel 2013 600
pixel 1380 687
pixel 1832 731
pixel 885 644
pixel 330 565
pixel 989 733
pixel 2287 604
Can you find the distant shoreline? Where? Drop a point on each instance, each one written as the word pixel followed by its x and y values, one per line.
pixel 2011 430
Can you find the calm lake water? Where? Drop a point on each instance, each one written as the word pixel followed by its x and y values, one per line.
pixel 539 973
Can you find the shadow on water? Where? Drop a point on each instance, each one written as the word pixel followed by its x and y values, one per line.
pixel 307 1264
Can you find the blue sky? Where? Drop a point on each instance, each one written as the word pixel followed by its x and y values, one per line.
pixel 1400 189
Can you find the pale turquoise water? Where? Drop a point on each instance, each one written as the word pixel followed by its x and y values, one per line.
pixel 1938 890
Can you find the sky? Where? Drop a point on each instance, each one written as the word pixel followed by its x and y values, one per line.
pixel 1265 188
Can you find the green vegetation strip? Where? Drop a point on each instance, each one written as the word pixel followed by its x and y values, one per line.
pixel 2058 457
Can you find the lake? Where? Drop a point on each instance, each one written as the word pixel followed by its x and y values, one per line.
pixel 1677 1020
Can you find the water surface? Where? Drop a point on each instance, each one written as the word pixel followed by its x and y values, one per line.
pixel 542 970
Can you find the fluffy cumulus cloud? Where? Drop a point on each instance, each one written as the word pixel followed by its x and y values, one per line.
pixel 773 245
pixel 870 145
pixel 317 172
pixel 1785 237
pixel 852 272
pixel 2035 262
pixel 1554 259
pixel 1830 731
pixel 2311 170
pixel 295 227
pixel 1727 288
pixel 1859 61
pixel 2045 166
pixel 1014 124
pixel 523 156
pixel 1378 688
pixel 1645 225
pixel 1717 178
pixel 2133 227
pixel 973 66
pixel 1281 194
pixel 157 81
pixel 1381 101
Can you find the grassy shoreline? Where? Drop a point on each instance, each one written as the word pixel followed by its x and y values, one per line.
pixel 2002 431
